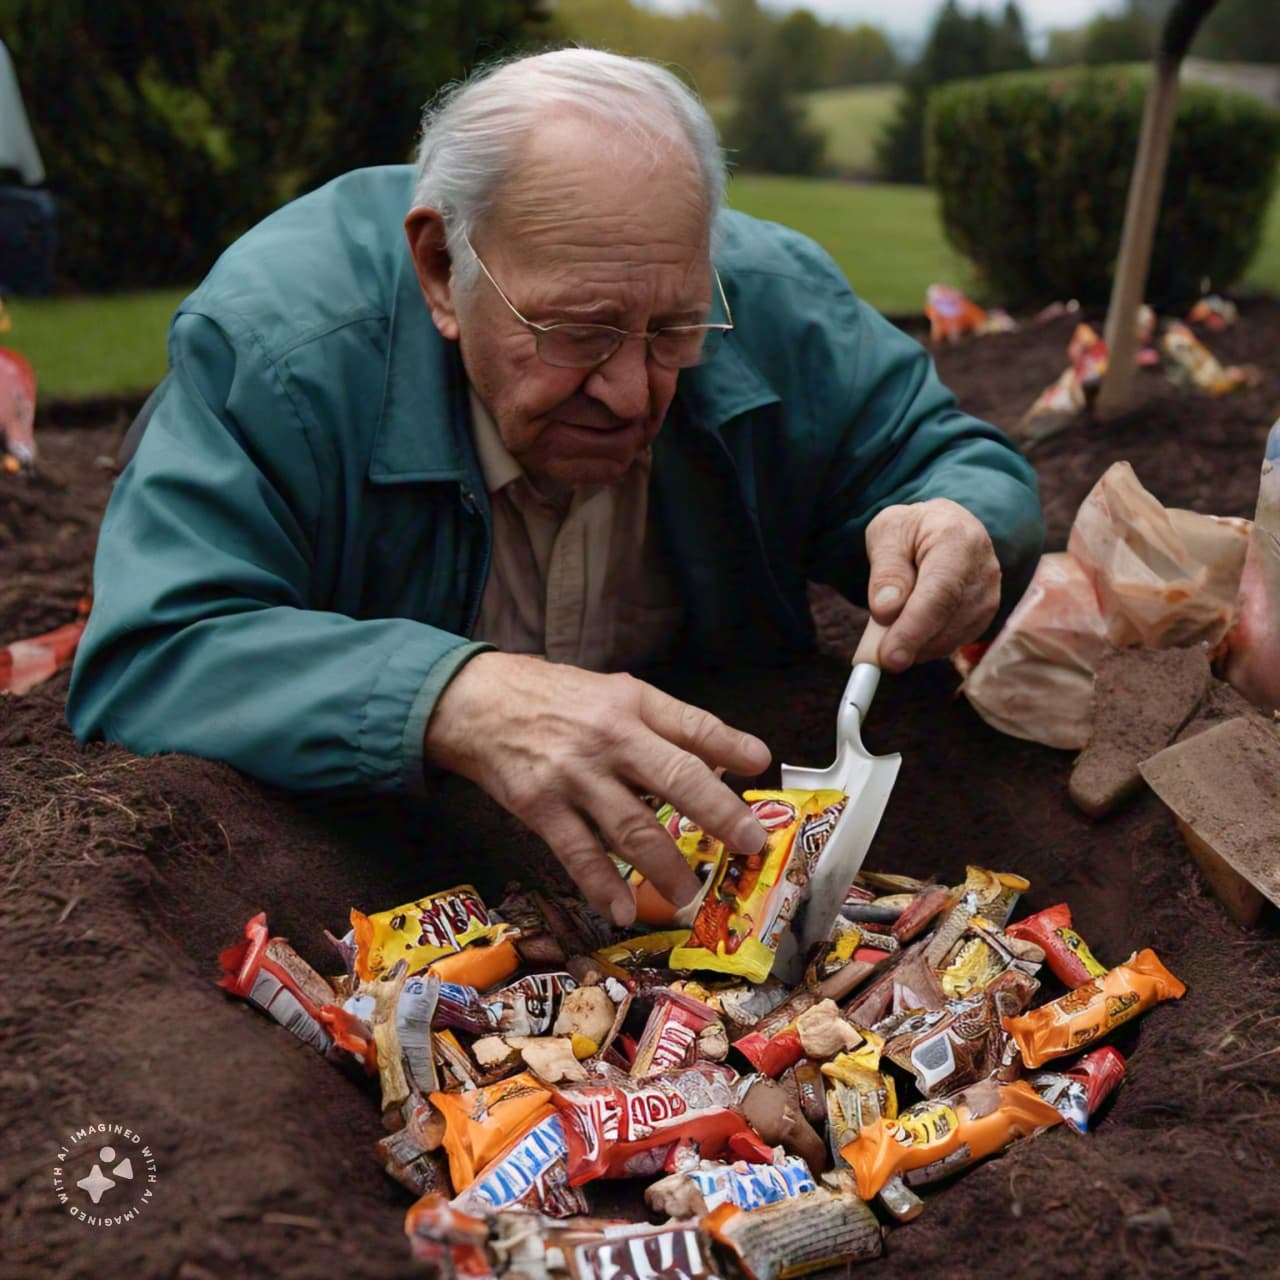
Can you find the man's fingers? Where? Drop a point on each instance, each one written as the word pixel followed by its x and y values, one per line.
pixel 633 832
pixel 929 609
pixel 581 855
pixel 891 552
pixel 706 736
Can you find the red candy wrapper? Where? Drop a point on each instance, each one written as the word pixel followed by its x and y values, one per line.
pixel 617 1127
pixel 670 1038
pixel 1065 951
pixel 269 974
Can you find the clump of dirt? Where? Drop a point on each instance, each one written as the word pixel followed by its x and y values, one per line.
pixel 123 878
pixel 1141 698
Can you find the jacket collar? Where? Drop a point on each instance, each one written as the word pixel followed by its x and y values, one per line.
pixel 425 416
pixel 423 431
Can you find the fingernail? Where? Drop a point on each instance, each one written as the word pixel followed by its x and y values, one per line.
pixel 750 836
pixel 886 596
pixel 899 658
pixel 623 911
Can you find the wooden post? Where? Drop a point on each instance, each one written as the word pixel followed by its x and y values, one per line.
pixel 1143 207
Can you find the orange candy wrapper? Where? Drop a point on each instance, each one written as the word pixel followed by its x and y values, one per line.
pixel 1091 1011
pixel 934 1139
pixel 424 930
pixel 752 897
pixel 481 1123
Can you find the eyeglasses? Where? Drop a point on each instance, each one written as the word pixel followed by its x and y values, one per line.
pixel 571 345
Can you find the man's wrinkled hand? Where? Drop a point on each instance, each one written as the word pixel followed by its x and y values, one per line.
pixel 569 752
pixel 935 580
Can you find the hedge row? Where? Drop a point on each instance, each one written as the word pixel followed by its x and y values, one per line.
pixel 1032 171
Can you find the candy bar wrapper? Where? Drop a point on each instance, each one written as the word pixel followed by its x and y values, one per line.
pixel 951 315
pixel 422 931
pixel 965 1042
pixel 560 919
pixel 1065 951
pixel 858 1093
pixel 989 896
pixel 670 1037
pixel 979 957
pixel 705 1185
pixel 1062 399
pixel 702 852
pixel 935 1139
pixel 480 1123
pixel 450 1243
pixel 947 1049
pixel 751 899
pixel 794 1237
pixel 527 1007
pixel 805 1079
pixel 923 909
pixel 454 1065
pixel 482 965
pixel 741 1005
pixel 270 975
pixel 1087 353
pixel 675 1251
pixel 1091 1011
pixel 636 953
pixel 1188 362
pixel 1214 312
pixel 617 1127
pixel 1067 1094
pixel 529 1172
pixel 1079 1092
pixel 407 1158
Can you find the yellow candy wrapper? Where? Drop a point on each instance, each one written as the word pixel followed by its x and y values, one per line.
pixel 752 898
pixel 423 930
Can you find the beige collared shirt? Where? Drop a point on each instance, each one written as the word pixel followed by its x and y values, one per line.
pixel 577 575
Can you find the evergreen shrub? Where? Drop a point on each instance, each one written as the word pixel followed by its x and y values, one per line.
pixel 1032 172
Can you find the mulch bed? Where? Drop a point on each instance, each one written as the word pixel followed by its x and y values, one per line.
pixel 123 878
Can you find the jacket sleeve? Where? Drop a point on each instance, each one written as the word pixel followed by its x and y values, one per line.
pixel 899 438
pixel 208 633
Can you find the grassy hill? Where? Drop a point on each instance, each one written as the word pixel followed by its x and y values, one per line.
pixel 851 117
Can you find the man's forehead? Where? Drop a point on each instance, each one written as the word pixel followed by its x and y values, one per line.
pixel 586 181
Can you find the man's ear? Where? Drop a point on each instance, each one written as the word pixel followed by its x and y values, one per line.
pixel 428 245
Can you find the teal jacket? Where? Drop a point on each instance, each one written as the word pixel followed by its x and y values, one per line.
pixel 290 567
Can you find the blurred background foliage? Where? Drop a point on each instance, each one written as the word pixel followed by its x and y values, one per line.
pixel 168 130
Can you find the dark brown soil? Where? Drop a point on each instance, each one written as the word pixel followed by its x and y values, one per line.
pixel 123 878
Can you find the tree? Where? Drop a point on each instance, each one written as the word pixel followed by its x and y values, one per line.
pixel 1122 37
pixel 959 45
pixel 168 130
pixel 1241 31
pixel 769 131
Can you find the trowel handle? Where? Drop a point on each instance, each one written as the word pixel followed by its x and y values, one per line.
pixel 861 688
pixel 868 649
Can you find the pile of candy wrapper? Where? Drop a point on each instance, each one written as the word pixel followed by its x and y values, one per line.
pixel 1186 361
pixel 528 1051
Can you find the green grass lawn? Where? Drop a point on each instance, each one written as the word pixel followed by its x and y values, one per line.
pixel 93 346
pixel 885 238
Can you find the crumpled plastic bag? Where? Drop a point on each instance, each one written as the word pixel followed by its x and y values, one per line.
pixel 1134 573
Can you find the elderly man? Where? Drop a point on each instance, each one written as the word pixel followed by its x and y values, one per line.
pixel 400 505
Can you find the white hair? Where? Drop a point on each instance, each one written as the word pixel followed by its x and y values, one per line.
pixel 473 131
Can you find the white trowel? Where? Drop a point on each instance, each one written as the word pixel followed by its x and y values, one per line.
pixel 867 780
